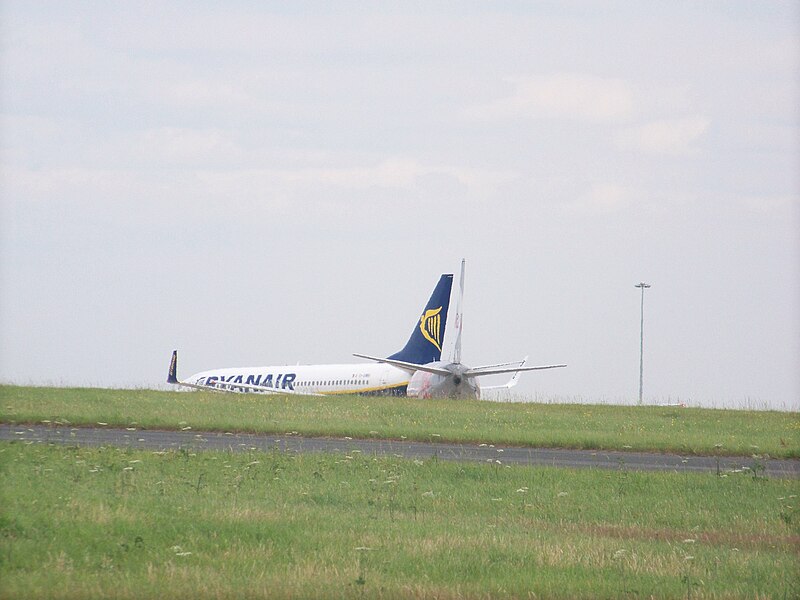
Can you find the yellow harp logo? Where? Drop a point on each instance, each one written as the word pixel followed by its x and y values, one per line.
pixel 429 325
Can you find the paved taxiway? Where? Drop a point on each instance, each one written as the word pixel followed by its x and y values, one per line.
pixel 193 440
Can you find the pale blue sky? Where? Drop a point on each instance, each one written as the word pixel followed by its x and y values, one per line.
pixel 256 184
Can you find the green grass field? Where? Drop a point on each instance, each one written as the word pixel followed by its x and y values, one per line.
pixel 114 523
pixel 664 429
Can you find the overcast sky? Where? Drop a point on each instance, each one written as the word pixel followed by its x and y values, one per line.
pixel 272 183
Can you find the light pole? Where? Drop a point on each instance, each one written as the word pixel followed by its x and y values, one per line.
pixel 642 285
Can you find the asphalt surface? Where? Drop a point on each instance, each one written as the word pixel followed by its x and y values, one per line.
pixel 233 442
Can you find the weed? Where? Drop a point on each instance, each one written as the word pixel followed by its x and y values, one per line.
pixel 199 485
pixel 361 580
pixel 758 469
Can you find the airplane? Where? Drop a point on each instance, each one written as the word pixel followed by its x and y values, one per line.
pixel 438 379
pixel 424 346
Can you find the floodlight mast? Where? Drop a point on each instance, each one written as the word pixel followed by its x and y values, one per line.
pixel 643 286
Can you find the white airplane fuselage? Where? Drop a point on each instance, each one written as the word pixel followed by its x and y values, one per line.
pixel 375 378
pixel 416 370
pixel 357 378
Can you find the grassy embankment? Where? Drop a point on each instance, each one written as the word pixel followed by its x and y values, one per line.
pixel 113 523
pixel 664 429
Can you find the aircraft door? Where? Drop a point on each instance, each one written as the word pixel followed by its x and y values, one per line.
pixel 383 378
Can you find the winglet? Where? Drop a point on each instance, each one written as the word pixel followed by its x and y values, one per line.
pixel 511 382
pixel 172 377
pixel 515 377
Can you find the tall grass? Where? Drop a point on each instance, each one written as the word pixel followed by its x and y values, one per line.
pixel 667 429
pixel 84 523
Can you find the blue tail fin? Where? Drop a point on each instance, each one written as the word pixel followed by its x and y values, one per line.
pixel 425 343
